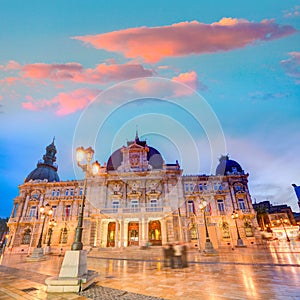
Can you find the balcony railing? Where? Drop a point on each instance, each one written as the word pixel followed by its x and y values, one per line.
pixel 130 210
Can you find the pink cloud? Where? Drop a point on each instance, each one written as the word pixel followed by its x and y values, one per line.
pixel 11 65
pixel 9 80
pixel 51 71
pixel 189 78
pixel 292 66
pixel 63 103
pixel 75 72
pixel 155 43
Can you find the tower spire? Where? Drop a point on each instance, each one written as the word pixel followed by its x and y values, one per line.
pixel 136 133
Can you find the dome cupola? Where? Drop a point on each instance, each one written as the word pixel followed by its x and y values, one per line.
pixel 228 167
pixel 46 168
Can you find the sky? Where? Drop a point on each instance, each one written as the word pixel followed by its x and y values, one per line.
pixel 196 80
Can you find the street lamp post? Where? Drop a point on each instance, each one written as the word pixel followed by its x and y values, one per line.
pixel 74 265
pixel 44 212
pixel 282 223
pixel 240 242
pixel 83 154
pixel 38 252
pixel 209 248
pixel 52 223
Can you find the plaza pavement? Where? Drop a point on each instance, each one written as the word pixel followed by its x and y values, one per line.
pixel 270 271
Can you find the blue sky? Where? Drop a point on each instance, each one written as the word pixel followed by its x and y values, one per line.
pixel 197 79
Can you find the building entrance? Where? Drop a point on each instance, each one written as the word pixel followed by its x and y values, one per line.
pixel 155 233
pixel 133 234
pixel 111 233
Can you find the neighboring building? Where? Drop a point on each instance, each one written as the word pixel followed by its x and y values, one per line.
pixel 135 199
pixel 276 219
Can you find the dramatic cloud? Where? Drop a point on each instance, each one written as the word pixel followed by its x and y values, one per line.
pixel 75 72
pixel 63 103
pixel 155 43
pixel 292 66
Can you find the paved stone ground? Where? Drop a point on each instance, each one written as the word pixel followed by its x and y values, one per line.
pixel 99 292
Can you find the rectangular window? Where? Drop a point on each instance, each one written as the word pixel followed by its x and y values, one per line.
pixel 205 186
pixel 115 204
pixel 186 187
pixel 53 193
pixel 67 212
pixel 57 192
pixel 134 204
pixel 153 203
pixel 200 187
pixel 32 211
pixel 242 204
pixel 191 187
pixel 54 211
pixel 63 236
pixel 190 207
pixel 71 192
pixel 67 192
pixel 221 206
pixel 15 210
pixel 215 187
pixel 80 191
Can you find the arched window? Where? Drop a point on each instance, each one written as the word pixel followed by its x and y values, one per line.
pixel 26 237
pixel 63 239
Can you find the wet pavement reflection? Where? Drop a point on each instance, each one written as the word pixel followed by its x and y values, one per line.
pixel 270 271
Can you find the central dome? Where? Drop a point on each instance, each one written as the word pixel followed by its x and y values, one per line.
pixel 228 166
pixel 153 156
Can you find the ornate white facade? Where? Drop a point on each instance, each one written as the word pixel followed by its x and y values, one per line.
pixel 134 200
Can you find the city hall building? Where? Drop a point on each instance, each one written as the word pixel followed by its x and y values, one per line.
pixel 134 199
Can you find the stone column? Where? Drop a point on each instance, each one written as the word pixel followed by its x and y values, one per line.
pixel 24 211
pixel 122 232
pixel 164 236
pixel 117 235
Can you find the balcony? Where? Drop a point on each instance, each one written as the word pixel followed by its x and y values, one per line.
pixel 27 219
pixel 132 210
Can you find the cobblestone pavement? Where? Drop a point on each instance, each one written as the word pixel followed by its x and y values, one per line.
pixel 99 292
pixel 271 271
